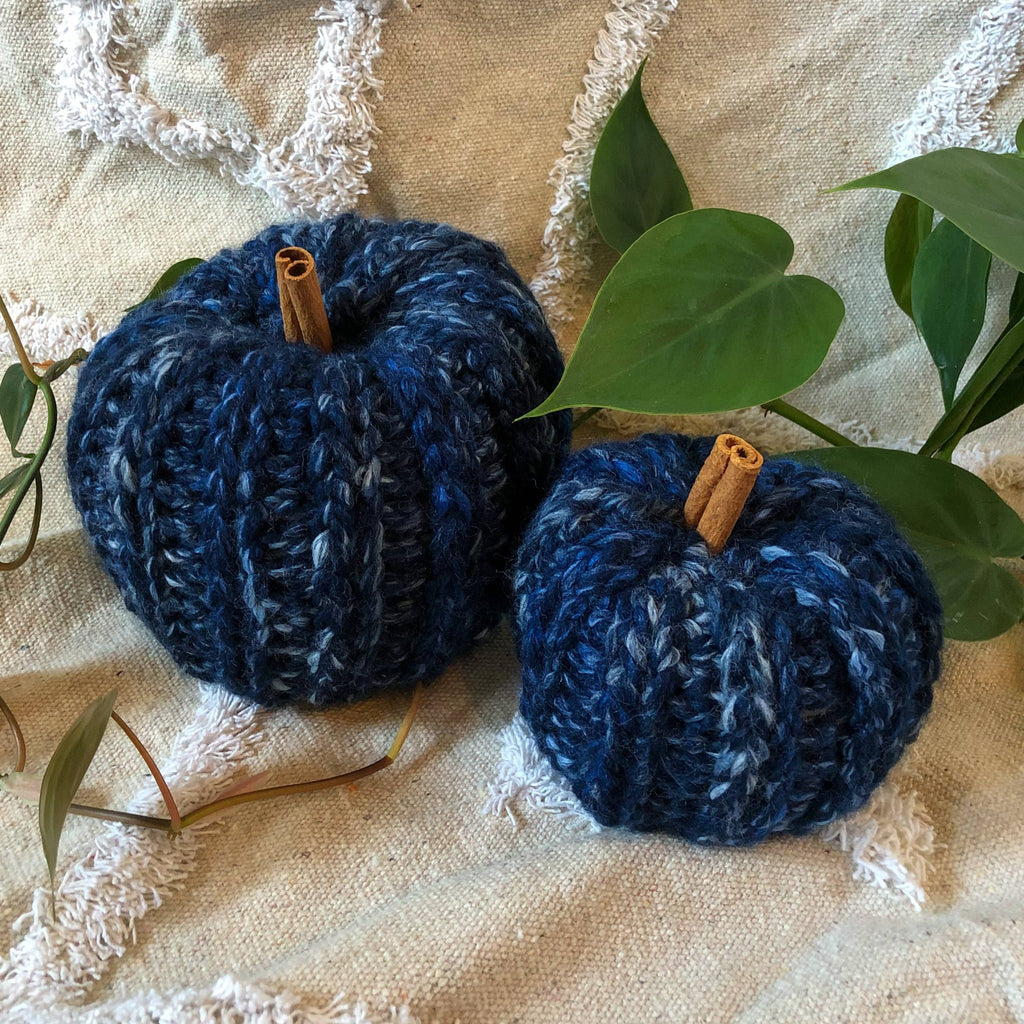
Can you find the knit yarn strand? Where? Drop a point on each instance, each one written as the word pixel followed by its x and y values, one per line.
pixel 299 525
pixel 722 698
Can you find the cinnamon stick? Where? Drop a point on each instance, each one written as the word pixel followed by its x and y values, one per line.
pixel 302 303
pixel 721 489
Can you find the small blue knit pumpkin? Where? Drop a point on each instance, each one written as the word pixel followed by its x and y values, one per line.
pixel 769 688
pixel 294 525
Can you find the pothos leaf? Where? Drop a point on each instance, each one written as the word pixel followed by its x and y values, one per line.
pixel 168 279
pixel 65 772
pixel 957 524
pixel 699 316
pixel 635 182
pixel 12 479
pixel 17 395
pixel 908 227
pixel 981 193
pixel 949 295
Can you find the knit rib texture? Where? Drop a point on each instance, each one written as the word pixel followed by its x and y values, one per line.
pixel 300 526
pixel 720 698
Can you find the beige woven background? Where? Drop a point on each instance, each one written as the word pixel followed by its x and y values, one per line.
pixel 402 891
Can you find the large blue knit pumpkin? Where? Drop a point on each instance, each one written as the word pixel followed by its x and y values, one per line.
pixel 769 688
pixel 293 525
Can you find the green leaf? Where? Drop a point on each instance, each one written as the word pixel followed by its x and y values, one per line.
pixel 1010 394
pixel 634 181
pixel 66 770
pixel 1001 362
pixel 17 395
pixel 909 225
pixel 1019 138
pixel 168 279
pixel 12 479
pixel 950 293
pixel 1015 313
pixel 981 193
pixel 62 365
pixel 957 524
pixel 699 316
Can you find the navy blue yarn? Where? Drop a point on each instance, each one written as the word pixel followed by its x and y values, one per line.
pixel 722 699
pixel 293 525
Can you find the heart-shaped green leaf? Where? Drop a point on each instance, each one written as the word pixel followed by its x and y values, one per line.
pixel 66 770
pixel 949 295
pixel 957 524
pixel 635 182
pixel 17 395
pixel 699 316
pixel 909 225
pixel 168 279
pixel 981 193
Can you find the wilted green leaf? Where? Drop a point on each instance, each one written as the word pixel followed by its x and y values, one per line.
pixel 699 316
pixel 17 394
pixel 981 193
pixel 950 293
pixel 66 770
pixel 62 365
pixel 996 369
pixel 957 524
pixel 168 279
pixel 634 181
pixel 909 225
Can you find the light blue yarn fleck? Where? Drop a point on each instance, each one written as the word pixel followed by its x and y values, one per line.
pixel 767 689
pixel 299 526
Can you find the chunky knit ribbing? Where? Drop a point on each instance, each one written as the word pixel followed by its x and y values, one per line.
pixel 294 525
pixel 766 689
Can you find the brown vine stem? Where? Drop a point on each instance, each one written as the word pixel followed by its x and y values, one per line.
pixel 267 793
pixel 311 787
pixel 19 739
pixel 158 778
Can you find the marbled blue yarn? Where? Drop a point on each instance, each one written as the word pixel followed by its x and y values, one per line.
pixel 767 689
pixel 293 525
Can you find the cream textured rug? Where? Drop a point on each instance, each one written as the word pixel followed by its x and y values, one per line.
pixel 464 884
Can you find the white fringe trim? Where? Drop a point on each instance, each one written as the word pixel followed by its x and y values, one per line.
pixel 631 29
pixel 318 171
pixel 228 1000
pixel 890 840
pixel 127 871
pixel 955 107
pixel 45 335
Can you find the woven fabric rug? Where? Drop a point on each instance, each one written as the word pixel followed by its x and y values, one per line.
pixel 464 884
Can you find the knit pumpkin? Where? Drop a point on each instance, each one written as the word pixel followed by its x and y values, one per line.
pixel 722 698
pixel 298 525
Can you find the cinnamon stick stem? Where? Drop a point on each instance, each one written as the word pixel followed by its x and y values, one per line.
pixel 721 489
pixel 302 303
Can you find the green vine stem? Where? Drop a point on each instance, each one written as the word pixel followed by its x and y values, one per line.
pixel 584 416
pixel 808 422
